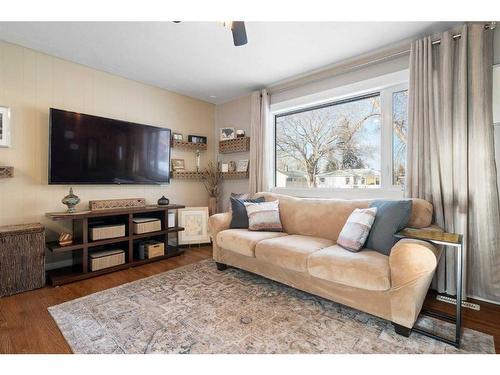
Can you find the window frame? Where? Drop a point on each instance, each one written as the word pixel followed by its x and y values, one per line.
pixel 383 86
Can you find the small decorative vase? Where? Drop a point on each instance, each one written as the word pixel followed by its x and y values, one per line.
pixel 163 201
pixel 212 206
pixel 71 200
pixel 197 160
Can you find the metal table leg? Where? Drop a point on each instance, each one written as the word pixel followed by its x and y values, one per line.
pixel 457 319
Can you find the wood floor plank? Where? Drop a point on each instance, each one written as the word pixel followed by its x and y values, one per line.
pixel 27 327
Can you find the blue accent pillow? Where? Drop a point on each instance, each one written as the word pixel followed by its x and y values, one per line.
pixel 392 216
pixel 239 219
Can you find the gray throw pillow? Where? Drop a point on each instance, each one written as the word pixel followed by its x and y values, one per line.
pixel 239 219
pixel 392 216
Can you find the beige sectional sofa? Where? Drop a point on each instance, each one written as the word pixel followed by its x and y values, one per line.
pixel 305 256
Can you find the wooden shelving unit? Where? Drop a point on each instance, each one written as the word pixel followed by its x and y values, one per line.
pixel 234 145
pixel 6 172
pixel 190 146
pixel 82 245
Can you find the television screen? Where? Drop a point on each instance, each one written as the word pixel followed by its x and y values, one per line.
pixel 87 149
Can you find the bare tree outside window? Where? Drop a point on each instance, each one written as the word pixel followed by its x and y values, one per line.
pixel 336 146
pixel 400 136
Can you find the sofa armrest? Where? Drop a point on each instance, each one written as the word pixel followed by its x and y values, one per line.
pixel 410 260
pixel 219 222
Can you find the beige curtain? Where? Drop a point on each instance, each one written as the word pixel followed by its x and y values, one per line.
pixel 260 137
pixel 451 151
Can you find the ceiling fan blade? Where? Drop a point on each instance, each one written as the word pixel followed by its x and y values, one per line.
pixel 239 33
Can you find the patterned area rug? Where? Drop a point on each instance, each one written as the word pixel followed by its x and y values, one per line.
pixel 197 309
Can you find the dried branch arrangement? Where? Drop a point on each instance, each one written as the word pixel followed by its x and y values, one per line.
pixel 211 178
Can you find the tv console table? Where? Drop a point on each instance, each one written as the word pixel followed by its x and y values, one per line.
pixel 82 245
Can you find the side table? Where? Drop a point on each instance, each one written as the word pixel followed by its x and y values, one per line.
pixel 448 239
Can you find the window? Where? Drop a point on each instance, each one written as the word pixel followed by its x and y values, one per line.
pixel 399 136
pixel 354 143
pixel 331 146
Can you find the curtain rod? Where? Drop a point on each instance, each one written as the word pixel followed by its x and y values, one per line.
pixel 488 26
pixel 345 69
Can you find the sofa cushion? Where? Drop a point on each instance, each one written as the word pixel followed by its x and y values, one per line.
pixel 392 216
pixel 264 216
pixel 356 229
pixel 367 269
pixel 239 218
pixel 290 252
pixel 243 241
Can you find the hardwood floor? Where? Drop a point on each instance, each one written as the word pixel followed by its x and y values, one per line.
pixel 27 327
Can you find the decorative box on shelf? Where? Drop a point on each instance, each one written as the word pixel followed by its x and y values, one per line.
pixel 189 145
pixel 113 204
pixel 146 225
pixel 241 144
pixel 100 260
pixel 103 232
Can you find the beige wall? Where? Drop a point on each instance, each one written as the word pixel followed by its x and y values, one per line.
pixel 31 82
pixel 235 113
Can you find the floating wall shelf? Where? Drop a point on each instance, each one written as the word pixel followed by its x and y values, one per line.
pixel 6 172
pixel 187 175
pixel 193 175
pixel 234 145
pixel 235 175
pixel 185 145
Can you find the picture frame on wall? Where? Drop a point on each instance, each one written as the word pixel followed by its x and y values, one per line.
pixel 177 137
pixel 227 133
pixel 5 127
pixel 194 220
pixel 242 166
pixel 197 139
pixel 178 165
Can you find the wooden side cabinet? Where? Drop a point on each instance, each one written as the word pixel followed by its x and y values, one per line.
pixel 22 258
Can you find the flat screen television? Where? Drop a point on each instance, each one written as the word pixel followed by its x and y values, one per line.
pixel 87 149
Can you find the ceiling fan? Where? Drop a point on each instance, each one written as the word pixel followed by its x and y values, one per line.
pixel 238 30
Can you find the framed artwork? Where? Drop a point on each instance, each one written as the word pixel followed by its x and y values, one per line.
pixel 194 220
pixel 242 166
pixel 197 139
pixel 177 136
pixel 4 127
pixel 224 167
pixel 178 164
pixel 227 133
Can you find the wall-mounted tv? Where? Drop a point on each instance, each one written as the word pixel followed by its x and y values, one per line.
pixel 87 149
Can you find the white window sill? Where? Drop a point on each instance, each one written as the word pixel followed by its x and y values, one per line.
pixel 373 193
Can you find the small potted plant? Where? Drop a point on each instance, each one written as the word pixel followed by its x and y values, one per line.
pixel 211 178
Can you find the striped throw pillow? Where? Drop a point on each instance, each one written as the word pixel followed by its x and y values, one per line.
pixel 264 216
pixel 356 229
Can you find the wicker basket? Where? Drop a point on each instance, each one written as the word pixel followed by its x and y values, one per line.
pixel 154 249
pixel 103 232
pixel 146 225
pixel 22 258
pixel 107 258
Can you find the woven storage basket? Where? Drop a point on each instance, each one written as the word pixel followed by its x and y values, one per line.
pixel 154 249
pixel 103 232
pixel 22 258
pixel 107 258
pixel 146 225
